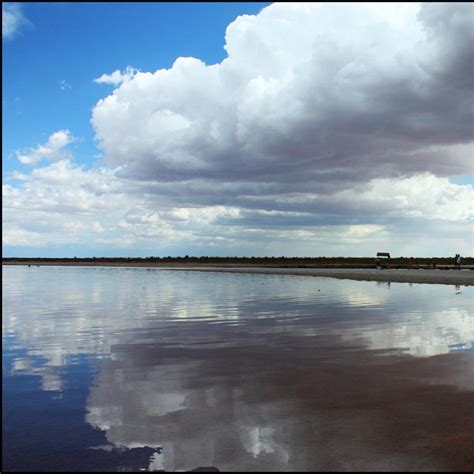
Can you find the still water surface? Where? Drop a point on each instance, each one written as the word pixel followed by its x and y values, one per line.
pixel 122 369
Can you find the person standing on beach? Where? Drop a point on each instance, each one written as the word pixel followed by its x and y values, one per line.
pixel 458 262
pixel 455 260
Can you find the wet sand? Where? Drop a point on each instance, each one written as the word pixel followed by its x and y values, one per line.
pixel 446 277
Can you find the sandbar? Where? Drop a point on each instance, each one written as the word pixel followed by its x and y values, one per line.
pixel 434 276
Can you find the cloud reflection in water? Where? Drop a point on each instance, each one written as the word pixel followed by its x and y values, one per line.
pixel 219 370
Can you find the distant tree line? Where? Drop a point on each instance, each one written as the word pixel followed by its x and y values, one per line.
pixel 281 260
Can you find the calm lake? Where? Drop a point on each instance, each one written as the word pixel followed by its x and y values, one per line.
pixel 124 369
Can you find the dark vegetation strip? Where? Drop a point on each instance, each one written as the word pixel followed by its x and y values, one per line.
pixel 320 262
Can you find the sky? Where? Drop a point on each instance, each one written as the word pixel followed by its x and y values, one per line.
pixel 237 129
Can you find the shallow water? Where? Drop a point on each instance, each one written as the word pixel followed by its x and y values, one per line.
pixel 123 369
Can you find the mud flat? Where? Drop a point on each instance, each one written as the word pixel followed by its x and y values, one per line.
pixel 445 277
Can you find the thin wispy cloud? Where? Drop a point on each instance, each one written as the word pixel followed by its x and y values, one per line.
pixel 64 85
pixel 13 20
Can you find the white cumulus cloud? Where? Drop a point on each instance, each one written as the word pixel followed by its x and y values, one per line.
pixel 117 77
pixel 54 149
pixel 313 100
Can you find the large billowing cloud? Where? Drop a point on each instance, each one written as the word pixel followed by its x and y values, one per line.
pixel 312 98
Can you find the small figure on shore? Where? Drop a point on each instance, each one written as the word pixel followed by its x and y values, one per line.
pixel 377 263
pixel 458 261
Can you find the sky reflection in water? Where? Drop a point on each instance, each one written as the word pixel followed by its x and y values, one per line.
pixel 129 369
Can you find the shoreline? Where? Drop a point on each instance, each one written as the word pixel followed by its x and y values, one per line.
pixel 463 277
pixel 443 277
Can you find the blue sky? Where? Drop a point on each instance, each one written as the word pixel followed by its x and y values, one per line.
pixel 239 129
pixel 77 42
